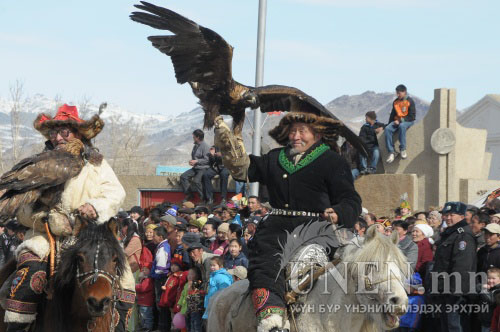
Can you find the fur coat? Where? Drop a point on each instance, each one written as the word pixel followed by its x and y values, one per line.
pixel 96 184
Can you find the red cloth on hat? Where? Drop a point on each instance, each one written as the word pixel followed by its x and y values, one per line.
pixel 64 113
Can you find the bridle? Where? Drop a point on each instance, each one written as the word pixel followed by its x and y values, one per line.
pixel 91 277
pixel 370 285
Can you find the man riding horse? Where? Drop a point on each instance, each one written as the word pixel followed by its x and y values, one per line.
pixel 307 181
pixel 95 193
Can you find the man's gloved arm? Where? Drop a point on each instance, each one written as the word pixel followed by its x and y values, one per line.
pixel 234 156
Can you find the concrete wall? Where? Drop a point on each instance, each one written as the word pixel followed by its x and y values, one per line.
pixel 439 175
pixel 381 192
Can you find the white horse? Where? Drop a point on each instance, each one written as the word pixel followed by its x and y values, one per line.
pixel 365 292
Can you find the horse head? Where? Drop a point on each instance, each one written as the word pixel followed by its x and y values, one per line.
pixel 378 271
pixel 89 269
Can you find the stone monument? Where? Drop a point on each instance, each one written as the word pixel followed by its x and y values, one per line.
pixel 446 161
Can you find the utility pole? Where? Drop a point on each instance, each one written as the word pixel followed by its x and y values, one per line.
pixel 259 81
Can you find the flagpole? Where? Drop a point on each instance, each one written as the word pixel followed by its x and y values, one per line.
pixel 259 81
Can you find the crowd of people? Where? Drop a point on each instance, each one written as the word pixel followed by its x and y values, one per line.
pixel 181 255
pixel 458 246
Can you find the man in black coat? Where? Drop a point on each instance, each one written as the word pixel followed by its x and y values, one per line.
pixel 368 135
pixel 307 181
pixel 455 257
pixel 402 117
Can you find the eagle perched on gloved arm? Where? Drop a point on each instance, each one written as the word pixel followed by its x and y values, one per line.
pixel 37 182
pixel 203 58
pixel 39 179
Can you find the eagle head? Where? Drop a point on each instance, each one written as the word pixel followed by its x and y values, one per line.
pixel 250 99
pixel 75 147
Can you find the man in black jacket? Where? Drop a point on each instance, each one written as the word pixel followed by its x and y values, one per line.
pixel 455 257
pixel 307 181
pixel 216 168
pixel 489 255
pixel 402 117
pixel 368 135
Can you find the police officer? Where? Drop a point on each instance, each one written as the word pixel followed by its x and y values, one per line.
pixel 455 257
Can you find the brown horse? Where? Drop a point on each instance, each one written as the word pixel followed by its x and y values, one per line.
pixel 85 283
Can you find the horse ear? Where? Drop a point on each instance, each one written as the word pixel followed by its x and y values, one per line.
pixel 113 227
pixel 371 233
pixel 395 237
pixel 80 224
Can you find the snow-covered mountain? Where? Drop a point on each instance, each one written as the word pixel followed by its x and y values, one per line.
pixel 167 140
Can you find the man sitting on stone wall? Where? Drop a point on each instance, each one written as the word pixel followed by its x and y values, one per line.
pixel 402 117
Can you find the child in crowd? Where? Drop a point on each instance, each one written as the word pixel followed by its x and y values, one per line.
pixel 234 257
pixel 159 272
pixel 191 300
pixel 490 319
pixel 174 286
pixel 219 279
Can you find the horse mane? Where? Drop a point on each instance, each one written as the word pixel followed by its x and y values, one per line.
pixel 65 276
pixel 377 248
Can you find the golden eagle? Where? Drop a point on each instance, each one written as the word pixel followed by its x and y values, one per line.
pixel 40 179
pixel 202 58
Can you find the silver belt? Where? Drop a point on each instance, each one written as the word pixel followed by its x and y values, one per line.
pixel 292 213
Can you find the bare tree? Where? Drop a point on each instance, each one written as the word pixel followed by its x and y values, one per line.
pixel 18 104
pixel 57 102
pixel 123 141
pixel 84 107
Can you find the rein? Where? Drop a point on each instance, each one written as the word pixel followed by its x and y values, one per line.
pixel 91 277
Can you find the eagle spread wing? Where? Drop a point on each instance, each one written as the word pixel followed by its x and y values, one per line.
pixel 202 58
pixel 35 178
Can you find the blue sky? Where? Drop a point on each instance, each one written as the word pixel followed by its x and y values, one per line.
pixel 327 48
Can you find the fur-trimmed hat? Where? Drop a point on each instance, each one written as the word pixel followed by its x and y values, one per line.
pixel 68 116
pixel 326 127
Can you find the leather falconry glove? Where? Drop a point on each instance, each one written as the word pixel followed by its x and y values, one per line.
pixel 234 156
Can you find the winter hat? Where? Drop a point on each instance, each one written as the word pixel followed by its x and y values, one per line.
pixel 493 228
pixel 181 221
pixel 171 212
pixel 170 219
pixel 188 205
pixel 68 116
pixel 190 238
pixel 223 228
pixel 239 271
pixel 151 227
pixel 425 229
pixel 199 222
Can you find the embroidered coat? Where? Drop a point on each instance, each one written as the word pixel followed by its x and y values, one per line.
pixel 323 176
